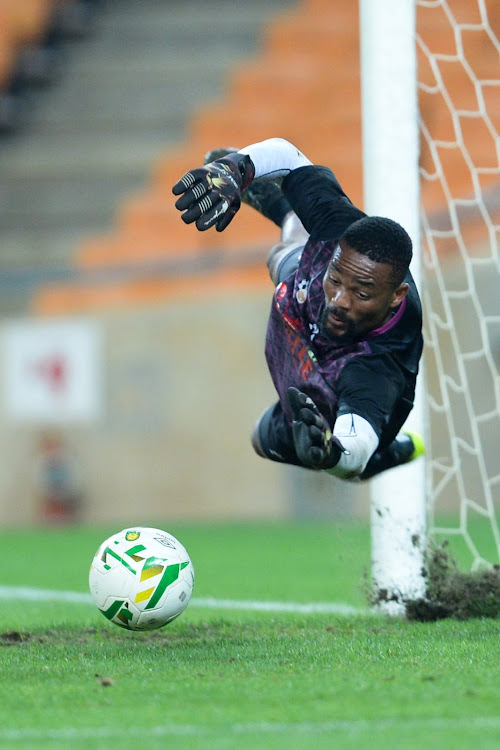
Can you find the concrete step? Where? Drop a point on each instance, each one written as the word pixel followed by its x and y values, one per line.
pixel 218 18
pixel 80 200
pixel 138 99
pixel 37 248
pixel 48 157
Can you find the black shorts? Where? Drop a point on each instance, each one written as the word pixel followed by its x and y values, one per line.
pixel 275 436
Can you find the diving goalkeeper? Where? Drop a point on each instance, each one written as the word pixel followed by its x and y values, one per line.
pixel 344 336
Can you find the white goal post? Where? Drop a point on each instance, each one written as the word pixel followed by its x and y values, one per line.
pixel 431 151
pixel 391 188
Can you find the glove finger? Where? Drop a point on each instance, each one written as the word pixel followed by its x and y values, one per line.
pixel 316 455
pixel 308 403
pixel 212 214
pixel 189 179
pixel 197 210
pixel 308 416
pixel 191 214
pixel 191 196
pixel 293 399
pixel 316 436
pixel 228 216
pixel 206 210
pixel 299 400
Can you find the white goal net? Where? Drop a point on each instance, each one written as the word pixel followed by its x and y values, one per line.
pixel 458 55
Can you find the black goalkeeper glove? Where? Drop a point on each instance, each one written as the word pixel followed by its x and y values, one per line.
pixel 315 445
pixel 212 194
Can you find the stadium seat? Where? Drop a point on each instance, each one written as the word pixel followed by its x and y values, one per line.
pixel 26 21
pixel 76 298
pixel 25 28
pixel 7 55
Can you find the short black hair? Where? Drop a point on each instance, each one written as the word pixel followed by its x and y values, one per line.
pixel 383 241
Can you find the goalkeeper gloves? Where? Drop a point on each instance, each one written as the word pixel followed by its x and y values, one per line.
pixel 315 445
pixel 211 195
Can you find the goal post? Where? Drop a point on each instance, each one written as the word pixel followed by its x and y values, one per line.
pixel 391 188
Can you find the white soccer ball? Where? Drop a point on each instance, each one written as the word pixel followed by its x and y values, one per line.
pixel 141 578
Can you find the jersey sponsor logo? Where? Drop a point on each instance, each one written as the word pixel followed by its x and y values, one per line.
pixel 294 323
pixel 301 353
pixel 314 329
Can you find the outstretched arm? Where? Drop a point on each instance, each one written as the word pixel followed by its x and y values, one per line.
pixel 343 452
pixel 211 195
pixel 274 158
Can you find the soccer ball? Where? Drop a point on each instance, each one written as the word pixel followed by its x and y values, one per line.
pixel 141 578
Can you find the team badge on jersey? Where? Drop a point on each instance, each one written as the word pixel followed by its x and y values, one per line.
pixel 301 291
pixel 280 291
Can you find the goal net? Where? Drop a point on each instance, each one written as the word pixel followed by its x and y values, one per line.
pixel 458 59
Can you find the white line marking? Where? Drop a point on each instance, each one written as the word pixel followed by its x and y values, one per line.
pixel 359 726
pixel 75 597
pixel 328 608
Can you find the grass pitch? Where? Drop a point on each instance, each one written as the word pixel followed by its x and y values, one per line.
pixel 224 678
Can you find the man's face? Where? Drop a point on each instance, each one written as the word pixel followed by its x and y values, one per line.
pixel 360 295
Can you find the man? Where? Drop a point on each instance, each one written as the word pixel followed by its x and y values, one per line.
pixel 344 335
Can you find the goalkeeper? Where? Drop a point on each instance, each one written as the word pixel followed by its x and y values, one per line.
pixel 344 335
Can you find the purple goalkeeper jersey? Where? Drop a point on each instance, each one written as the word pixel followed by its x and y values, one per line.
pixel 374 376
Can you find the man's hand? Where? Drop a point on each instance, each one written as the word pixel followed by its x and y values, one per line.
pixel 211 195
pixel 315 445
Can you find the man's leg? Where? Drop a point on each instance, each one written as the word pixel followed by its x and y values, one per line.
pixel 406 447
pixel 293 238
pixel 265 196
pixel 272 437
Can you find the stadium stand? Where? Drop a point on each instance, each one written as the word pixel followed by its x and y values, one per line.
pixel 30 32
pixel 303 85
pixel 299 73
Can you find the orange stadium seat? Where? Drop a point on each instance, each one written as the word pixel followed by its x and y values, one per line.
pixel 76 298
pixel 26 20
pixel 23 23
pixel 8 52
pixel 149 214
pixel 327 35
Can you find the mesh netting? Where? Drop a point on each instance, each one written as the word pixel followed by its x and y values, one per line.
pixel 459 95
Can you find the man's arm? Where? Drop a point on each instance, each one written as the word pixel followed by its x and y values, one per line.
pixel 343 451
pixel 211 195
pixel 274 157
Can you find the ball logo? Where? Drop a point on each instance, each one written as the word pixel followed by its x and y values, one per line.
pixel 131 536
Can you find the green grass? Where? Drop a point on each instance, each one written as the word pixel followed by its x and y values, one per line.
pixel 225 679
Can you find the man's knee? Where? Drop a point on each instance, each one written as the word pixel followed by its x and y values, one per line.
pixel 293 236
pixel 272 438
pixel 255 439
